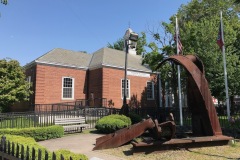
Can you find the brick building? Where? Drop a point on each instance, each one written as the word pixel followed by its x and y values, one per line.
pixel 66 76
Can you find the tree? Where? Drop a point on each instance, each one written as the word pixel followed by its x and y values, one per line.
pixel 118 45
pixel 237 1
pixel 163 47
pixel 141 43
pixel 4 2
pixel 13 84
pixel 199 25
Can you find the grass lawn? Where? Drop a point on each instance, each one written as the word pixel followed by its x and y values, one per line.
pixel 230 151
pixel 204 153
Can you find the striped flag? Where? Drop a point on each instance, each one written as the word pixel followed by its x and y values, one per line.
pixel 219 37
pixel 179 44
pixel 178 40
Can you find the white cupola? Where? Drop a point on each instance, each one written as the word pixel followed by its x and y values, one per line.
pixel 132 44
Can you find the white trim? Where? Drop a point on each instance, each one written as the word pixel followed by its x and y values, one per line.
pixel 153 96
pixel 138 74
pixel 118 67
pixel 129 87
pixel 72 88
pixel 60 64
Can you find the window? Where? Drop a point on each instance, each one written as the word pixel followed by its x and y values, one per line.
pixel 127 88
pixel 29 81
pixel 150 90
pixel 67 88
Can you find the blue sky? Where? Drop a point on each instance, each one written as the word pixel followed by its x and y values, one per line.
pixel 31 28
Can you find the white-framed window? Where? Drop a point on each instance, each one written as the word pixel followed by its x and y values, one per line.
pixel 67 88
pixel 127 88
pixel 150 90
pixel 29 81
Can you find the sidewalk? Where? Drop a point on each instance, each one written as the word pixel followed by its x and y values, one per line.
pixel 78 143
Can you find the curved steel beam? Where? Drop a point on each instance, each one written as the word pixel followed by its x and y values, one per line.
pixel 204 117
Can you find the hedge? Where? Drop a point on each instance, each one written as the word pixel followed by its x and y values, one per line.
pixel 31 143
pixel 38 133
pixel 112 123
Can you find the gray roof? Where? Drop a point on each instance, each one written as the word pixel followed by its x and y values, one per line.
pixel 64 57
pixel 115 58
pixel 103 57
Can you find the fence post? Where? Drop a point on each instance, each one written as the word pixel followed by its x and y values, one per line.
pixel 27 154
pixel 13 148
pixel 3 144
pixel 12 120
pixel 22 152
pixel 62 158
pixel 54 156
pixel 39 154
pixel 33 153
pixel 8 147
pixel 34 118
pixel 17 151
pixel 46 155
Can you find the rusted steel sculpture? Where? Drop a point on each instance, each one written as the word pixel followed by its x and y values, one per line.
pixel 123 136
pixel 164 130
pixel 205 124
pixel 204 117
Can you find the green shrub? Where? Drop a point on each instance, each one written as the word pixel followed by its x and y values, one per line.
pixel 135 118
pixel 31 143
pixel 38 133
pixel 67 155
pixel 121 117
pixel 112 123
pixel 25 141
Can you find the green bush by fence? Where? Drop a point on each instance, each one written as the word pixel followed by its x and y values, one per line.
pixel 112 123
pixel 15 142
pixel 135 118
pixel 38 133
pixel 74 156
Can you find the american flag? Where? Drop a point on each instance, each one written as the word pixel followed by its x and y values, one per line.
pixel 219 38
pixel 179 44
pixel 178 40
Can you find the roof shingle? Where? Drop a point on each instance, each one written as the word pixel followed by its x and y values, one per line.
pixel 103 57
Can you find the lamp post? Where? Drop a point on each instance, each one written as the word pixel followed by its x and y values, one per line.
pixel 130 41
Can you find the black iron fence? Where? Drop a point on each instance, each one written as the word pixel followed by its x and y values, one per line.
pixel 13 151
pixel 47 118
pixel 78 104
pixel 92 114
pixel 162 114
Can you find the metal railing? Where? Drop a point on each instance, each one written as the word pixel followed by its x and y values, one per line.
pixel 47 117
pixel 78 104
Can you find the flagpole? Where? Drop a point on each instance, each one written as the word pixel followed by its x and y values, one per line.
pixel 179 77
pixel 225 70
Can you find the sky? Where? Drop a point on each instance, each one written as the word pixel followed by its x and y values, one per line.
pixel 31 28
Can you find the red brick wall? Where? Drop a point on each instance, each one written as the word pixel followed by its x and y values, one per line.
pixel 103 83
pixel 49 83
pixel 112 87
pixel 95 83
